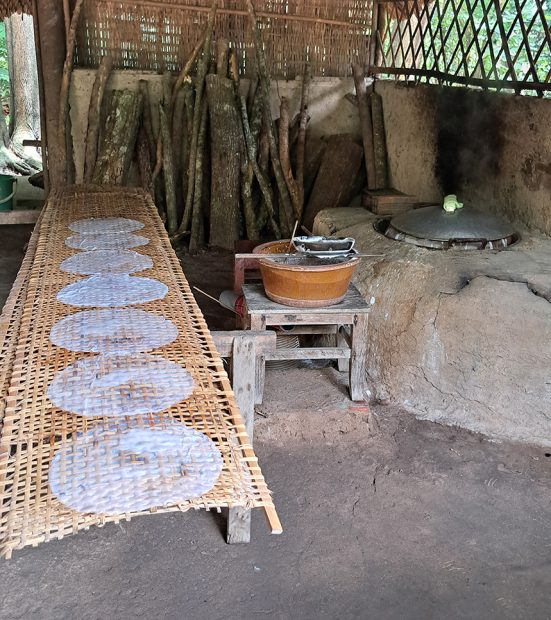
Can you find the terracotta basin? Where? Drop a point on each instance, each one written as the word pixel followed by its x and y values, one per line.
pixel 306 283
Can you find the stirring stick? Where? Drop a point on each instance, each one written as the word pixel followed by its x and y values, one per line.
pixel 213 299
pixel 292 237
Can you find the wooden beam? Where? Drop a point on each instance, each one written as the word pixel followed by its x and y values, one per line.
pixel 460 79
pixel 50 30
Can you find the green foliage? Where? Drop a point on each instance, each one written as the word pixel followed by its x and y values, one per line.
pixel 464 37
pixel 4 73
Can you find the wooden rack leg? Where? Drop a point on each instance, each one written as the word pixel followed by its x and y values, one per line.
pixel 244 349
pixel 358 357
pixel 243 379
pixel 258 324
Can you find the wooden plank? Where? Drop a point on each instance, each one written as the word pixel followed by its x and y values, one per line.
pixel 461 79
pixel 301 330
pixel 224 341
pixel 388 201
pixel 342 318
pixel 309 353
pixel 258 303
pixel 338 176
pixel 19 216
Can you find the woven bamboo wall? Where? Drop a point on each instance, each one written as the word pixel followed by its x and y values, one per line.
pixel 160 34
pixel 9 7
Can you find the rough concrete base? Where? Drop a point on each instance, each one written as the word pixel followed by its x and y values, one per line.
pixel 459 337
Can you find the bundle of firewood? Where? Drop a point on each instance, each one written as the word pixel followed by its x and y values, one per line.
pixel 210 153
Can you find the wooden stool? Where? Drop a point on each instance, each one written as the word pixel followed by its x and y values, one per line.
pixel 347 320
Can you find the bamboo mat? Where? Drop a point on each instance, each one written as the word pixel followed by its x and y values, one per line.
pixel 33 429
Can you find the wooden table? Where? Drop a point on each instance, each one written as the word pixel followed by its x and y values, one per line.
pixel 347 320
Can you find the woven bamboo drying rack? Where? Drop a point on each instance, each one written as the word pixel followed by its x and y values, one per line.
pixel 33 429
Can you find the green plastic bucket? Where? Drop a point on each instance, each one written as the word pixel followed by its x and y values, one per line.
pixel 7 191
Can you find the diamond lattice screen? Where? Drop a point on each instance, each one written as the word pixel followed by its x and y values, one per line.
pixel 501 44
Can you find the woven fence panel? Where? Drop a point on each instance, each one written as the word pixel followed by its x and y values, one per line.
pixel 498 44
pixel 9 7
pixel 160 35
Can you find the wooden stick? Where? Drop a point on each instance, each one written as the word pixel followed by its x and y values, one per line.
pixel 184 73
pixel 287 218
pixel 158 158
pixel 63 119
pixel 301 142
pixel 251 94
pixel 262 181
pixel 146 119
pixel 379 141
pixel 186 136
pixel 247 167
pixel 292 237
pixel 306 255
pixel 67 18
pixel 213 299
pixel 233 66
pixel 285 156
pixel 94 117
pixel 171 215
pixel 263 160
pixel 222 52
pixel 366 125
pixel 144 162
pixel 202 68
pixel 197 228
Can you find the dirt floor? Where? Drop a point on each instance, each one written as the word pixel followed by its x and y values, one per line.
pixel 384 516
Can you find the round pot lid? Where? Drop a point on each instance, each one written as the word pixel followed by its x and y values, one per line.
pixel 466 224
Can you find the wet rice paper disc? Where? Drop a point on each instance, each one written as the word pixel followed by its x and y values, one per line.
pixel 113 241
pixel 113 330
pixel 117 385
pixel 106 261
pixel 114 471
pixel 112 291
pixel 95 225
